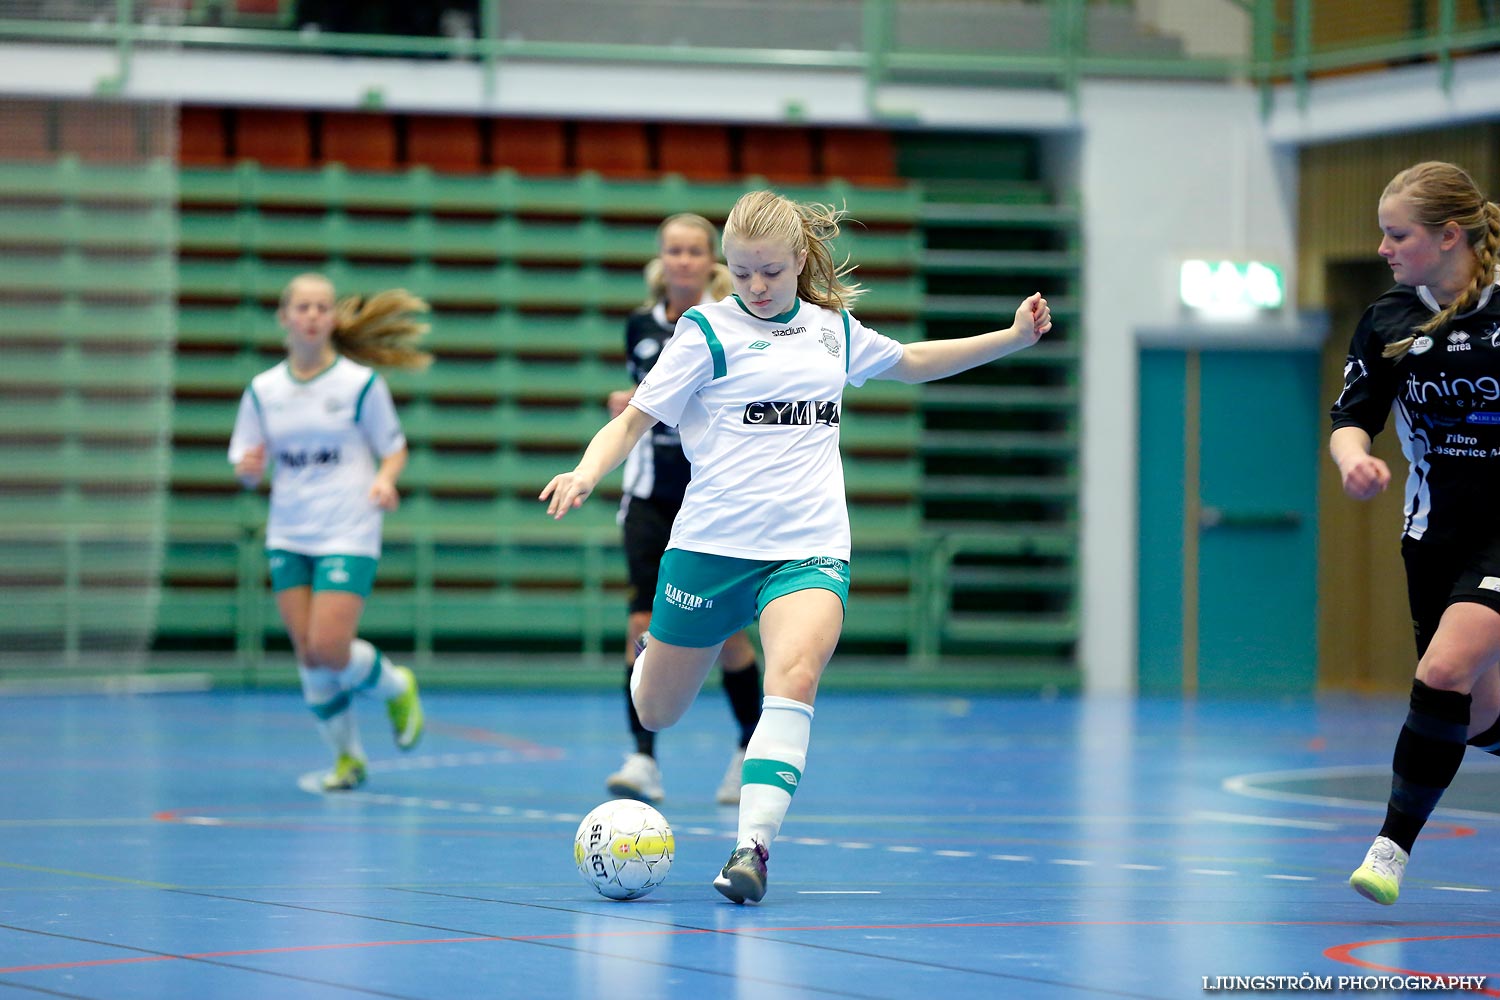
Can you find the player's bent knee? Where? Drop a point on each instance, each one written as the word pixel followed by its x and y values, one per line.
pixel 1445 674
pixel 326 653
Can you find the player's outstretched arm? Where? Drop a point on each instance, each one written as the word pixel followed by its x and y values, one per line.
pixel 929 360
pixel 607 450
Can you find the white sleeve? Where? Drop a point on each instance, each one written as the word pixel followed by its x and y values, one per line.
pixel 870 353
pixel 375 414
pixel 248 429
pixel 684 366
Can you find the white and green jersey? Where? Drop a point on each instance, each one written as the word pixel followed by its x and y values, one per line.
pixel 322 438
pixel 757 404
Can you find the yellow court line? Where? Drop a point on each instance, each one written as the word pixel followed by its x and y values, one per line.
pixel 89 875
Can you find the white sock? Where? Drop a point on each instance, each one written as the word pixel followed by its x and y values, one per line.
pixel 369 671
pixel 330 706
pixel 773 768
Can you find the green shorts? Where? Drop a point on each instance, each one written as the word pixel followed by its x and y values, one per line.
pixel 702 599
pixel 355 574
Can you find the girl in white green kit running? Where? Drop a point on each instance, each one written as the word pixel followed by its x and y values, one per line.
pixel 754 383
pixel 325 424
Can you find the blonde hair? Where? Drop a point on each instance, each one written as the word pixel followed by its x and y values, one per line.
pixel 765 215
pixel 380 331
pixel 1439 193
pixel 719 282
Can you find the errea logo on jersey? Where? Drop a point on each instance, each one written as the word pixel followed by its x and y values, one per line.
pixel 1458 341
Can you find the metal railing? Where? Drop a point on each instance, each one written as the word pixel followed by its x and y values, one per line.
pixel 1288 43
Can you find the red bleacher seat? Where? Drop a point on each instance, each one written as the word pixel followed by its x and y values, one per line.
pixel 25 130
pixel 697 152
pixel 778 154
pixel 446 143
pixel 202 140
pixel 530 146
pixel 273 138
pixel 359 141
pixel 864 156
pixel 102 132
pixel 615 149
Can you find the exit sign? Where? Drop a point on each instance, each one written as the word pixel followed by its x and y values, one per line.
pixel 1228 289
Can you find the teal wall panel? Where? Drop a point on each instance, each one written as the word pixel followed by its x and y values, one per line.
pixel 1159 639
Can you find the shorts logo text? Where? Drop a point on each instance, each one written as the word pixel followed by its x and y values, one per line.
pixel 684 600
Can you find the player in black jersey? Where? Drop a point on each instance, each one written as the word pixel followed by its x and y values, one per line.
pixel 1429 350
pixel 684 274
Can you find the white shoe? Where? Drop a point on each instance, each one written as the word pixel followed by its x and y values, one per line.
pixel 1379 878
pixel 729 788
pixel 638 778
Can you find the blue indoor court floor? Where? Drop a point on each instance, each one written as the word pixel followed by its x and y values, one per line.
pixel 160 846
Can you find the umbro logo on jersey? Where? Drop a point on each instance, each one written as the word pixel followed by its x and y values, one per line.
pixel 1458 341
pixel 833 573
pixel 760 345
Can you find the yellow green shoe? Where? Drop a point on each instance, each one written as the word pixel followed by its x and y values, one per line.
pixel 348 774
pixel 406 712
pixel 1379 878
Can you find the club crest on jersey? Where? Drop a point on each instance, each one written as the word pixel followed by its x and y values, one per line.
pixel 1421 345
pixel 831 341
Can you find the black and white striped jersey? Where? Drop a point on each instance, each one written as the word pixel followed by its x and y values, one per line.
pixel 1445 393
pixel 656 469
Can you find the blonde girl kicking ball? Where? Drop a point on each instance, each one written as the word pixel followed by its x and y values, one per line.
pixel 754 384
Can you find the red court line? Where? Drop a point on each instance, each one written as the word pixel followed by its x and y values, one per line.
pixel 753 931
pixel 1344 953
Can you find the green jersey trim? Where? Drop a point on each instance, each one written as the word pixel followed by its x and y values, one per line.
pixel 845 313
pixel 785 317
pixel 359 403
pixel 715 348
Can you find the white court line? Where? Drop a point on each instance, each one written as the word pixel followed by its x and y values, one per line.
pixel 838 892
pixel 1209 871
pixel 1250 820
pixel 1293 878
pixel 1459 888
pixel 1245 784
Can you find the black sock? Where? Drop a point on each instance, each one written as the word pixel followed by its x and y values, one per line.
pixel 1489 740
pixel 742 688
pixel 1428 754
pixel 645 739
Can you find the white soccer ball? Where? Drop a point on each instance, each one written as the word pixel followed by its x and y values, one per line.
pixel 624 849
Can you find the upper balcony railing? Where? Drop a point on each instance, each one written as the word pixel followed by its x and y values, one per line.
pixel 1050 44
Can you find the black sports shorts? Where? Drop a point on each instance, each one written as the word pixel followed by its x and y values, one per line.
pixel 648 528
pixel 1438 575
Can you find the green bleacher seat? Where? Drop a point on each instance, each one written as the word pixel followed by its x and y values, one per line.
pixel 68 178
pixel 583 195
pixel 72 416
pixel 93 227
pixel 71 462
pixel 134 372
pixel 69 319
pixel 71 271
